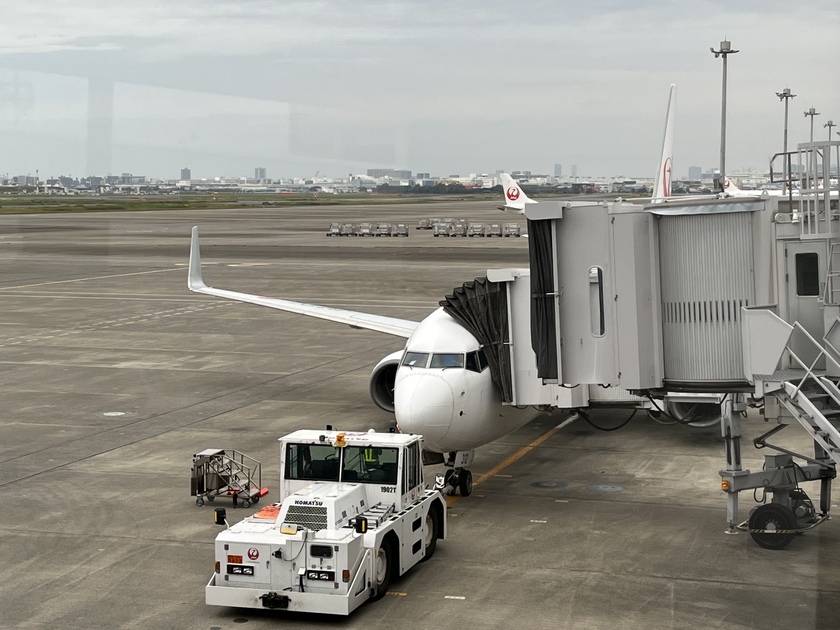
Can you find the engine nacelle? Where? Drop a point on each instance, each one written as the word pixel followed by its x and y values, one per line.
pixel 382 381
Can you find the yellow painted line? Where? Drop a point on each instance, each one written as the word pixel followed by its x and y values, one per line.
pixel 396 594
pixel 493 472
pixel 118 275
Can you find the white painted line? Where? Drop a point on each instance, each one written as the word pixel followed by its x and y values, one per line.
pixel 453 597
pixel 534 521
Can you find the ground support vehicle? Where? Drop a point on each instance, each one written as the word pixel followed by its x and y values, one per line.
pixel 440 229
pixel 401 229
pixel 476 229
pixel 355 513
pixel 384 229
pixel 513 229
pixel 334 229
pixel 365 229
pixel 347 229
pixel 228 473
pixel 457 229
pixel 494 229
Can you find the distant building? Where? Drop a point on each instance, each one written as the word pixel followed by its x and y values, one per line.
pixel 558 170
pixel 694 172
pixel 574 170
pixel 259 173
pixel 423 176
pixel 388 172
pixel 186 175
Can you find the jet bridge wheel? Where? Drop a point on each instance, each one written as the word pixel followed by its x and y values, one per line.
pixel 772 526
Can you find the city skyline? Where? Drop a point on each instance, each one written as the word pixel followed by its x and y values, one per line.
pixel 332 88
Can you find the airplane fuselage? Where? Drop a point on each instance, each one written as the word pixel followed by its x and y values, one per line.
pixel 443 390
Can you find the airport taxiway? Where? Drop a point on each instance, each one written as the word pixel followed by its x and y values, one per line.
pixel 114 375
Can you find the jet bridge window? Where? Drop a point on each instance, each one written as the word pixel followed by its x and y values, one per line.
pixel 370 464
pixel 596 302
pixel 312 461
pixel 416 359
pixel 447 360
pixel 807 274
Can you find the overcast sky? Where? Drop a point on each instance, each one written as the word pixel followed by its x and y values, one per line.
pixel 336 87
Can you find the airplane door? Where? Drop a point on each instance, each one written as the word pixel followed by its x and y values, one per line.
pixel 804 282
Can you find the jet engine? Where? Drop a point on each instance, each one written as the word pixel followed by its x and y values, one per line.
pixel 382 381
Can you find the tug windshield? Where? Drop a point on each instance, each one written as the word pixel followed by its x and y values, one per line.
pixel 357 464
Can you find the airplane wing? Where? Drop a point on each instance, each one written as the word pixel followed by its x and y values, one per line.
pixel 388 325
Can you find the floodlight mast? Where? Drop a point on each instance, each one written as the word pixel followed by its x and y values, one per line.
pixel 785 95
pixel 812 112
pixel 724 51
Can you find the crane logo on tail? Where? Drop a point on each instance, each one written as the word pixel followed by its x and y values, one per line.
pixel 513 194
pixel 666 178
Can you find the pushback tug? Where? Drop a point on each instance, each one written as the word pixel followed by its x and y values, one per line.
pixel 354 514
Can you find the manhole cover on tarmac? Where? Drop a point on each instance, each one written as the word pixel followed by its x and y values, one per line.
pixel 605 487
pixel 549 484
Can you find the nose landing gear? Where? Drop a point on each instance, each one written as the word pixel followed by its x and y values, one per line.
pixel 456 478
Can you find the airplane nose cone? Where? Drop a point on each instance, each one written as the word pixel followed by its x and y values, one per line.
pixel 424 404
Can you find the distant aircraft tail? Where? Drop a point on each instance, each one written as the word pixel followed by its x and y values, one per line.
pixel 515 197
pixel 662 187
pixel 730 187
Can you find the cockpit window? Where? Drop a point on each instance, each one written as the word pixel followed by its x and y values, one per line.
pixel 416 359
pixel 447 361
pixel 476 361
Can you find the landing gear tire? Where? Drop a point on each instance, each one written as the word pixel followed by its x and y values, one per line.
pixel 465 483
pixel 430 540
pixel 770 519
pixel 382 570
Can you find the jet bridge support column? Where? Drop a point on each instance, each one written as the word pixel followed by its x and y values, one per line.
pixel 731 410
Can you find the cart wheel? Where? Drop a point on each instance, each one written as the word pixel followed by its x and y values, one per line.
pixel 246 503
pixel 210 497
pixel 255 499
pixel 199 502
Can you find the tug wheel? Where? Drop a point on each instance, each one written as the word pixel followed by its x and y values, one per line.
pixel 382 570
pixel 771 519
pixel 430 539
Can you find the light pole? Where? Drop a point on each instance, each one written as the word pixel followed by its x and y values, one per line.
pixel 812 112
pixel 724 51
pixel 830 124
pixel 785 95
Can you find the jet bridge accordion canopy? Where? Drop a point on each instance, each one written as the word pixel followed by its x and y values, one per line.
pixel 481 307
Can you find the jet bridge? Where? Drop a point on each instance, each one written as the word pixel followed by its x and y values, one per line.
pixel 658 298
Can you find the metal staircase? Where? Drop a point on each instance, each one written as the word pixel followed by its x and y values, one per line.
pixel 791 389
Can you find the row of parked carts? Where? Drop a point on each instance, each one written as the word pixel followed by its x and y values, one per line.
pixel 368 229
pixel 463 227
pixel 439 227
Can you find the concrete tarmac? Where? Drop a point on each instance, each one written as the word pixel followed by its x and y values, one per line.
pixel 114 375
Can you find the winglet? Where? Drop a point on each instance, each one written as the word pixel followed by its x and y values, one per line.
pixel 194 281
pixel 515 197
pixel 662 187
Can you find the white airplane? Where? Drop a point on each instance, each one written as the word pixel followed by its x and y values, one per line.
pixel 439 386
